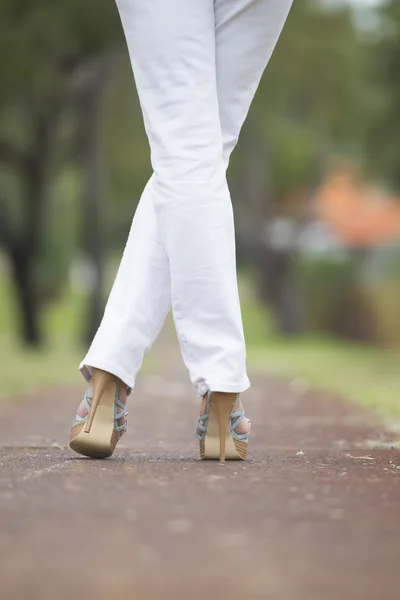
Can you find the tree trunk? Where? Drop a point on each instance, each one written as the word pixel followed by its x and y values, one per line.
pixel 27 297
pixel 22 243
pixel 93 233
pixel 278 287
pixel 27 250
pixel 252 190
pixel 274 270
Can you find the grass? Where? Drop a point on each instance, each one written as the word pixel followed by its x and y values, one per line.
pixel 364 375
pixel 23 370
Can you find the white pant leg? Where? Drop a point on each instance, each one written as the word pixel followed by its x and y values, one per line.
pixel 172 48
pixel 139 301
pixel 246 34
pixel 236 83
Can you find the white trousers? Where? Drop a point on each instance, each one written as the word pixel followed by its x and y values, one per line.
pixel 197 65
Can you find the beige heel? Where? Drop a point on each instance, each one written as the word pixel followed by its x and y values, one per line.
pixel 216 440
pixel 101 379
pixel 223 405
pixel 97 436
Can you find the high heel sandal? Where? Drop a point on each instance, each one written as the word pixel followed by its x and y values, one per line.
pixel 97 434
pixel 218 438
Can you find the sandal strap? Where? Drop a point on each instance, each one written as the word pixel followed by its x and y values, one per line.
pixel 238 415
pixel 118 403
pixel 87 400
pixel 205 417
pixel 120 415
pixel 203 430
pixel 244 437
pixel 235 417
pixel 121 427
pixel 117 415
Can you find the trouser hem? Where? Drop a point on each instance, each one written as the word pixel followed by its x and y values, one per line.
pixel 219 386
pixel 89 363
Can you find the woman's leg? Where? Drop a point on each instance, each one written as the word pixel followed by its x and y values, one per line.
pixel 138 305
pixel 172 47
pixel 139 301
pixel 246 33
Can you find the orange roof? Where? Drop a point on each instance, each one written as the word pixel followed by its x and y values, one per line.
pixel 357 213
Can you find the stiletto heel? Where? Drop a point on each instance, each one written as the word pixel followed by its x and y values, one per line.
pixel 97 434
pixel 101 379
pixel 218 438
pixel 223 405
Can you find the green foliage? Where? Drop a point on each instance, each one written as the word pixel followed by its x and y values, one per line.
pixel 44 40
pixel 316 100
pixel 311 103
pixel 291 159
pixel 62 234
pixel 317 70
pixel 368 376
pixel 335 298
pixel 383 131
pixel 54 52
pixel 22 371
pixel 127 156
pixel 385 302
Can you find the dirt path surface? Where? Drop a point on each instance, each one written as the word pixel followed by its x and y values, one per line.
pixel 314 514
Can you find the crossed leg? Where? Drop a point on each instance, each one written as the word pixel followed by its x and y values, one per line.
pixel 197 66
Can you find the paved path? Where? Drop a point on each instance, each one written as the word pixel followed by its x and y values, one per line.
pixel 314 514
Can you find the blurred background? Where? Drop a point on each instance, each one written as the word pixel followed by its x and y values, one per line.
pixel 315 182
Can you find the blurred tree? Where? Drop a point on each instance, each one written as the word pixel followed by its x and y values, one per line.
pixel 309 107
pixel 383 127
pixel 54 51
